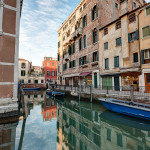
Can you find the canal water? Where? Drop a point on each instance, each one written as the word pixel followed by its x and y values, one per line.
pixel 68 124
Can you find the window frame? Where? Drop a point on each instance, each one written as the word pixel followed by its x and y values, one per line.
pixel 146 11
pixel 96 56
pixel 134 57
pixel 84 41
pixel 118 23
pixel 107 46
pixel 120 42
pixel 105 31
pixel 107 68
pixel 47 73
pixel 116 65
pixel 142 32
pixel 131 20
pixel 1 17
pixel 24 74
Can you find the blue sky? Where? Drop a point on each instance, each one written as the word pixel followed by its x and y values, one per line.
pixel 40 21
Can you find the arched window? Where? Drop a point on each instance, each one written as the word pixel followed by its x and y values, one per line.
pixel 94 35
pixel 94 12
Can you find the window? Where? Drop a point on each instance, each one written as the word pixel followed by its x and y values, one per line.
pixel 35 96
pixel 58 69
pixel 84 6
pixel 80 44
pixel 48 73
pixel 94 36
pixel 58 57
pixel 47 114
pixel 82 61
pixel 119 140
pixel 140 147
pixel 48 63
pixel 146 31
pixel 52 73
pixel 108 134
pixel 148 78
pixel 81 9
pixel 148 11
pixel 118 25
pixel 69 21
pixel 23 65
pixel 29 96
pixel 118 42
pixel 58 44
pixel 105 31
pixel 107 63
pixel 73 48
pixel 64 66
pixel 22 81
pixel 84 41
pixel 72 64
pixel 135 57
pixel 133 36
pixel 105 45
pixel 147 54
pixel 95 56
pixel 72 122
pixel 134 4
pixel 116 61
pixel 36 81
pixel 41 96
pixel 23 72
pixel 29 81
pixel 94 12
pixel 132 18
pixel 42 81
pixel 116 5
pixel 53 63
pixel 84 21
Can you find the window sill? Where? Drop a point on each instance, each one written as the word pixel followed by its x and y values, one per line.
pixel 94 63
pixel 94 19
pixel 83 66
pixel 118 45
pixel 145 37
pixel 95 43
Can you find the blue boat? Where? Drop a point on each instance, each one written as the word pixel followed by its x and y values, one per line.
pixel 55 94
pixel 32 89
pixel 127 108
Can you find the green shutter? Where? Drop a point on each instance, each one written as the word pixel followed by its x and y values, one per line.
pixel 93 58
pixel 96 56
pixel 142 55
pixel 96 35
pixel 137 34
pixel 86 19
pixel 92 14
pixel 81 44
pixel 96 10
pixel 92 36
pixel 83 24
pixel 129 38
pixel 79 61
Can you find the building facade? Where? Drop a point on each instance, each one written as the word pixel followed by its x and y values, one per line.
pixel 49 66
pixel 78 40
pixel 123 59
pixel 10 11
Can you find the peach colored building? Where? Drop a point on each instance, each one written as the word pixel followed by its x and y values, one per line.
pixel 78 46
pixel 10 11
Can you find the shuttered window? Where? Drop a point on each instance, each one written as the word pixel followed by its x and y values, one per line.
pixel 108 134
pixel 80 44
pixel 84 21
pixel 58 57
pixel 135 57
pixel 107 63
pixel 84 41
pixel 116 61
pixel 107 82
pixel 95 56
pixel 23 72
pixel 83 129
pixel 132 18
pixel 72 64
pixel 106 46
pixel 64 66
pixel 82 61
pixel 146 31
pixel 94 12
pixel 73 48
pixel 133 36
pixel 105 31
pixel 119 140
pixel 148 11
pixel 72 122
pixel 58 44
pixel 94 35
pixel 118 42
pixel 118 25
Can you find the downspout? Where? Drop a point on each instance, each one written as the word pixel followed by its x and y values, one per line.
pixel 139 40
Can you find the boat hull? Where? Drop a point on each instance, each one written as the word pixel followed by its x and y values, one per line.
pixel 130 111
pixel 55 94
pixel 31 89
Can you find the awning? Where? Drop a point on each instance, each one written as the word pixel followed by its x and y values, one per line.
pixel 111 74
pixel 134 74
pixel 71 75
pixel 84 74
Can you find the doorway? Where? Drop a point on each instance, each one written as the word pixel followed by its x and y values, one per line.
pixel 147 82
pixel 95 80
pixel 116 84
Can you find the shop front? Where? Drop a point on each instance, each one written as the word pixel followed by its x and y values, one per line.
pixel 85 78
pixel 130 78
pixel 147 82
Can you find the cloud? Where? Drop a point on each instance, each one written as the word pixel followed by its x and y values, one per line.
pixel 40 21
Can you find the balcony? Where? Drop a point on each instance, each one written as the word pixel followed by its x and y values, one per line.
pixel 76 33
pixel 67 41
pixel 67 57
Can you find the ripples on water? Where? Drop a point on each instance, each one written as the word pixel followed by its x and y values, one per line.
pixel 66 124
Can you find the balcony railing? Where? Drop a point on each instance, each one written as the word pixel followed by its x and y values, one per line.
pixel 67 57
pixel 76 33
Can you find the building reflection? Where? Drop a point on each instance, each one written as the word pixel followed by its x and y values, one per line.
pixel 83 128
pixel 8 133
pixel 49 110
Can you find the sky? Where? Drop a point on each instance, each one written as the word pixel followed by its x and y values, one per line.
pixel 40 20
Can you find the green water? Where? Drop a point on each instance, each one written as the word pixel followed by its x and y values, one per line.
pixel 69 124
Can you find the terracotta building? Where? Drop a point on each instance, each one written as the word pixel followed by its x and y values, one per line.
pixel 78 46
pixel 121 58
pixel 49 66
pixel 10 11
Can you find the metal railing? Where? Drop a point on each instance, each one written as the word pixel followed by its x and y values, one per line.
pixel 122 92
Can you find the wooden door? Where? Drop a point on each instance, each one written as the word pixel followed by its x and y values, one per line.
pixel 147 82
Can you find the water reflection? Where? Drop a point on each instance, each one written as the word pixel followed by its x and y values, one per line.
pixel 65 124
pixel 93 128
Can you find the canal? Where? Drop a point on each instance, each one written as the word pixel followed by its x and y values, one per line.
pixel 68 124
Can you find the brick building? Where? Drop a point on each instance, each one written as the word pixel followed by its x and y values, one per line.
pixel 78 46
pixel 10 11
pixel 49 66
pixel 123 51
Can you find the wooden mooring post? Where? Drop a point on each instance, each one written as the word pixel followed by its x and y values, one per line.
pixel 132 93
pixel 91 93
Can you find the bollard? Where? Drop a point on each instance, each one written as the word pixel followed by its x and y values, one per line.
pixel 79 92
pixel 132 93
pixel 91 94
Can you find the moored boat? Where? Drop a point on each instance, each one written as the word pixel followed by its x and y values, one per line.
pixel 55 93
pixel 32 89
pixel 134 109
